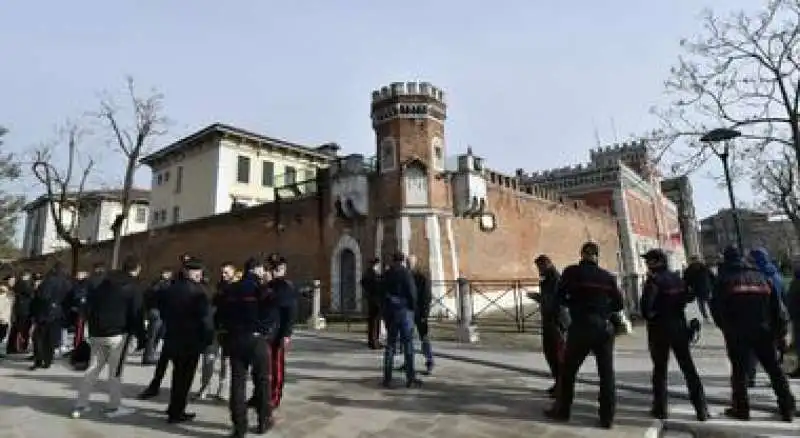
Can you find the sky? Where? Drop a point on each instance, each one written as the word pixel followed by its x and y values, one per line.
pixel 528 85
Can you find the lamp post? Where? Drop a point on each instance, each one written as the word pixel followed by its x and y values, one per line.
pixel 725 136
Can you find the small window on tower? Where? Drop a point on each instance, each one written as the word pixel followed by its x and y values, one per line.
pixel 388 157
pixel 437 154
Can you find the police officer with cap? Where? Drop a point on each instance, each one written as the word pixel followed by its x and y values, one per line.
pixel 663 305
pixel 593 297
pixel 250 318
pixel 752 319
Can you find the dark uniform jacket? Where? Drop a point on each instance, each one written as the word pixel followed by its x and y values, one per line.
pixel 248 309
pixel 75 304
pixel 699 279
pixel 422 283
pixel 549 303
pixel 743 302
pixel 114 307
pixel 187 317
pixel 664 297
pixel 371 282
pixel 591 294
pixel 48 301
pixel 153 295
pixel 401 292
pixel 23 299
pixel 284 296
pixel 218 302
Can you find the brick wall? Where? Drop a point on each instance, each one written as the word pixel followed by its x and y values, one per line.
pixel 526 227
pixel 307 231
pixel 284 227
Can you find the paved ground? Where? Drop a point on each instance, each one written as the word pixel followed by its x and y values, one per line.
pixel 332 391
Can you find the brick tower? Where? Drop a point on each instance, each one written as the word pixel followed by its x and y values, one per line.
pixel 410 196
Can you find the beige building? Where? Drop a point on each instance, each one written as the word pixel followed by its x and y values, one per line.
pixel 99 209
pixel 220 168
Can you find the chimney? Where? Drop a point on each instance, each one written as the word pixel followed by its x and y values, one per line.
pixel 330 149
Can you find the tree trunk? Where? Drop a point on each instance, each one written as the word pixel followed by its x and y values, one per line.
pixel 117 247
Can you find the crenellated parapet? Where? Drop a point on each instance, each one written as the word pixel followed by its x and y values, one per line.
pixel 408 100
pixel 634 150
pixel 524 187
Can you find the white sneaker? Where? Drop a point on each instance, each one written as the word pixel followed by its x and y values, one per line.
pixel 79 412
pixel 119 412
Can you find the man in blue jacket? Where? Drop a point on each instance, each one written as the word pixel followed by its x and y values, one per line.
pixel 762 261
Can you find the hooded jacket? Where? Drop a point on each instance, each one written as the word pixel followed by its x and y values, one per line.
pixel 762 261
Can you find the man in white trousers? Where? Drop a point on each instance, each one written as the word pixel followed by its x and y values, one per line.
pixel 113 314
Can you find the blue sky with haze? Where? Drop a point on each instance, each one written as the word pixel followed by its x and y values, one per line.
pixel 527 82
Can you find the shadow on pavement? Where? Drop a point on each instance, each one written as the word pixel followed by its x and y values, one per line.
pixel 491 401
pixel 313 365
pixel 143 418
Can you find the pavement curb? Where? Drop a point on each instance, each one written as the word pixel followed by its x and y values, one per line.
pixel 630 387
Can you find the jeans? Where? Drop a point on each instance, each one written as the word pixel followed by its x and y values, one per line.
pixel 400 325
pixel 106 351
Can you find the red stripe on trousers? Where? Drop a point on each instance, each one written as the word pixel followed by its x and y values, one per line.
pixel 278 358
pixel 78 333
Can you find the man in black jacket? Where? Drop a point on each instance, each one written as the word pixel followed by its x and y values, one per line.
pixel 19 336
pixel 249 316
pixel 752 320
pixel 700 281
pixel 553 324
pixel 398 310
pixel 373 291
pixel 592 296
pixel 155 327
pixel 284 296
pixel 47 310
pixel 663 305
pixel 113 310
pixel 189 330
pixel 422 283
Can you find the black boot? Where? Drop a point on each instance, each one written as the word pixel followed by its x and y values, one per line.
pixel 737 415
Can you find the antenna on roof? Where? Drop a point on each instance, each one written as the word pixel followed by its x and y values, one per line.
pixel 614 130
pixel 596 134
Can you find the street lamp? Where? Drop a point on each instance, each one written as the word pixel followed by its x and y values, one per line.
pixel 725 136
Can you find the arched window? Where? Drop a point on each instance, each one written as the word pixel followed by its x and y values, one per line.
pixel 387 154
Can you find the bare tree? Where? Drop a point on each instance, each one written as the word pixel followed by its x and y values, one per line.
pixel 743 72
pixel 65 186
pixel 10 203
pixel 133 141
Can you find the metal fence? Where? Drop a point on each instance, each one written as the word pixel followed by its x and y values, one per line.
pixel 498 303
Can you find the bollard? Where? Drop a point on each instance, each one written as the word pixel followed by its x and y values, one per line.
pixel 466 332
pixel 316 321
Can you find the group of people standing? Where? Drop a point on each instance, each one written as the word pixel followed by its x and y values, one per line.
pixel 245 323
pixel 399 296
pixel 37 311
pixel 581 313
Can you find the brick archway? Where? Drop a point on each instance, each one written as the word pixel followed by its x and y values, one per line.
pixel 346 244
